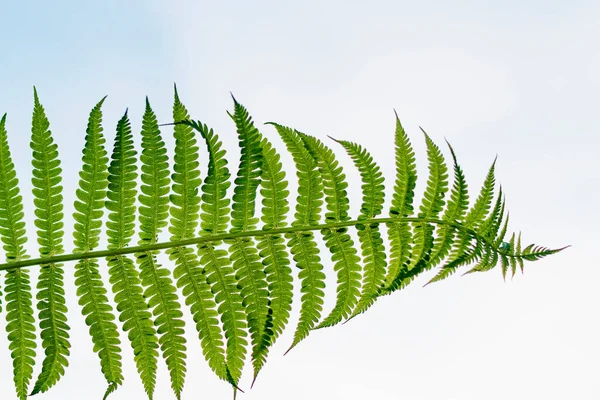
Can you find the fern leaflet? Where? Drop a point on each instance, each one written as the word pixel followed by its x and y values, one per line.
pixel 338 241
pixel 90 289
pixel 373 250
pixel 124 278
pixel 244 255
pixel 49 212
pixel 19 311
pixel 153 213
pixel 184 221
pixel 404 190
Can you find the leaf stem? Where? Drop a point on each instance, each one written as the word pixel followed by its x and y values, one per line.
pixel 234 235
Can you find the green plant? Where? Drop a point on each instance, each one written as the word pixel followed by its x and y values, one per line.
pixel 231 264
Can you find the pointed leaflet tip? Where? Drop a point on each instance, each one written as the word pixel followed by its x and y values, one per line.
pixel 176 92
pixel 235 390
pixel 235 105
pixel 425 133
pixel 350 319
pixel 294 344
pixel 335 140
pixel 36 99
pixel 112 386
pixel 398 123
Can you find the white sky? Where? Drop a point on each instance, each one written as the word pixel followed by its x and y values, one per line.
pixel 515 79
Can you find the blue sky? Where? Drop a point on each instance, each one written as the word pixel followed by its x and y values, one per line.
pixel 515 79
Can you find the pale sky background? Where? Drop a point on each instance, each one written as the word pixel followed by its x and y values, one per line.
pixel 517 79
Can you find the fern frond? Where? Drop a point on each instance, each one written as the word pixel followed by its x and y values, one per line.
pixel 19 318
pixel 238 283
pixel 272 251
pixel 303 247
pixel 88 213
pixel 185 209
pixel 402 206
pixel 124 277
pixel 49 215
pixel 338 241
pixel 153 213
pixel 216 264
pixel 373 250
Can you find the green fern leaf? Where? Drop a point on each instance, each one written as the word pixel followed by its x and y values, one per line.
pixel 19 318
pixel 534 252
pixel 373 250
pixel 489 231
pixel 502 235
pixel 49 212
pixel 219 274
pixel 518 251
pixel 512 260
pixel 503 247
pixel 159 289
pixel 471 253
pixel 184 221
pixel 474 218
pixel 303 247
pixel 481 208
pixel 249 271
pixel 455 212
pixel 432 204
pixel 338 241
pixel 240 276
pixel 272 252
pixel 109 390
pixel 402 206
pixel 124 277
pixel 490 228
pixel 88 213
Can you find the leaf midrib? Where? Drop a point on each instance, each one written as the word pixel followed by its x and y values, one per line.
pixel 234 235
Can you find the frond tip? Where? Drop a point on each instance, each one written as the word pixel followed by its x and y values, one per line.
pixel 230 253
